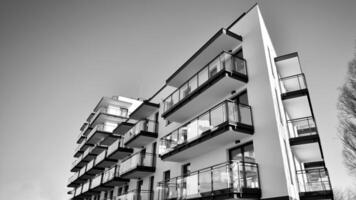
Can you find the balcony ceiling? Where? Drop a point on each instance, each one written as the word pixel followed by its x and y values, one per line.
pixel 145 110
pixel 297 107
pixel 309 152
pixel 223 40
pixel 288 65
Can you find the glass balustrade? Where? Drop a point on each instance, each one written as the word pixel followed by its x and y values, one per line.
pixel 149 126
pixel 73 177
pixel 224 178
pixel 227 111
pixel 302 127
pixel 312 180
pixel 109 174
pixel 135 160
pixel 78 190
pixel 96 181
pixel 100 157
pixel 223 62
pixel 86 186
pixel 119 143
pixel 293 83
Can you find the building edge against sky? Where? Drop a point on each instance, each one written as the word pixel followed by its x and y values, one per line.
pixel 235 122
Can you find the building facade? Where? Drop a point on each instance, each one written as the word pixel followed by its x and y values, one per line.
pixel 235 121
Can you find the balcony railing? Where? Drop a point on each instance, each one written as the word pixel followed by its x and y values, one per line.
pixel 111 173
pixel 136 195
pixel 144 125
pixel 313 180
pixel 73 177
pixel 293 83
pixel 86 186
pixel 223 62
pixel 139 159
pixel 227 111
pixel 78 190
pixel 96 181
pixel 102 127
pixel 302 127
pixel 225 178
pixel 114 146
pixel 100 157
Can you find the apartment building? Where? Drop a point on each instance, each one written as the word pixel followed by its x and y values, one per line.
pixel 235 121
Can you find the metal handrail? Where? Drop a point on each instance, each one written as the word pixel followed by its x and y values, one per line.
pixel 196 75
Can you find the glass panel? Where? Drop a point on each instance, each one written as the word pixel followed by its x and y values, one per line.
pixel 175 97
pixel 214 67
pixel 184 91
pixel 192 130
pixel 249 155
pixel 218 115
pixel 221 178
pixel 203 123
pixel 245 114
pixel 203 76
pixel 182 135
pixel 251 175
pixel 193 83
pixel 232 109
pixel 205 182
pixel 192 185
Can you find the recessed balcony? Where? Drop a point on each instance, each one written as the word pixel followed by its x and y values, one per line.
pixel 138 165
pixel 220 125
pixel 223 181
pixel 143 133
pixel 224 74
pixel 304 139
pixel 314 184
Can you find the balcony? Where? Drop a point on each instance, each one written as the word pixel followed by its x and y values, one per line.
pixel 304 139
pixel 88 155
pixel 314 184
pixel 108 114
pixel 118 151
pixel 103 134
pixel 143 133
pixel 145 110
pixel 224 74
pixel 138 165
pixel 223 181
pixel 123 127
pixel 92 169
pixel 77 191
pixel 73 180
pixel 221 125
pixel 223 40
pixel 111 177
pixel 136 195
pixel 83 132
pixel 102 162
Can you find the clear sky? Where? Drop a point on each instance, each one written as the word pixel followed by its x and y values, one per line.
pixel 57 58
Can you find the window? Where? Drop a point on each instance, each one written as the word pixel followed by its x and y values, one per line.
pixel 289 169
pixel 186 169
pixel 270 62
pixel 278 106
pixel 167 175
pixel 168 122
pixel 243 153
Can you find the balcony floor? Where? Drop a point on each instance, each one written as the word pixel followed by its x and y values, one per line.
pixel 141 139
pixel 138 172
